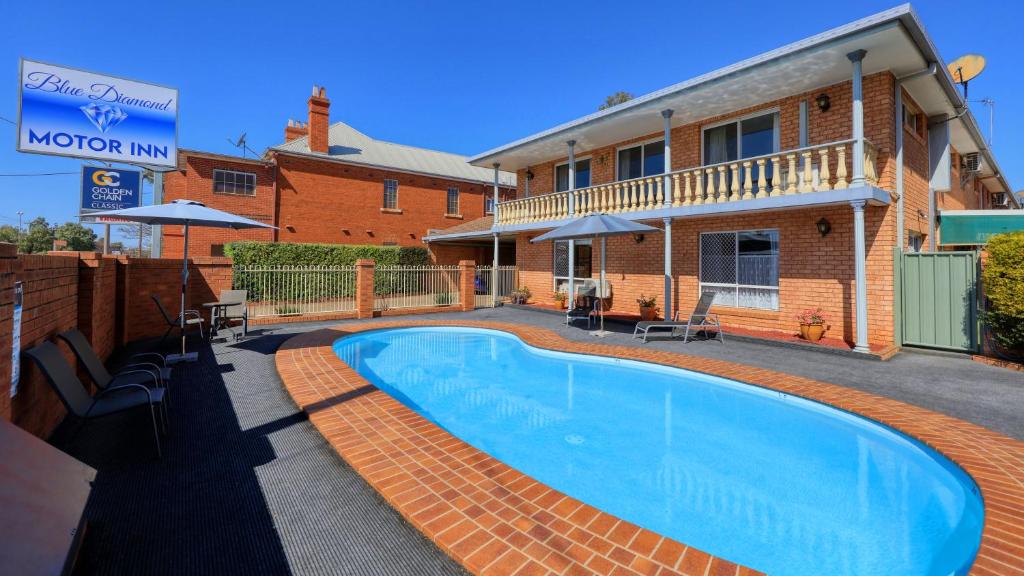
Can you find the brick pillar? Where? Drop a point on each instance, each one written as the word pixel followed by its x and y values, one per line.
pixel 364 288
pixel 467 291
pixel 8 271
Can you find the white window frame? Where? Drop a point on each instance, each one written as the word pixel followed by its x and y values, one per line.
pixel 554 254
pixel 736 251
pixel 776 129
pixel 448 201
pixel 911 111
pixel 387 181
pixel 234 182
pixel 554 172
pixel 642 157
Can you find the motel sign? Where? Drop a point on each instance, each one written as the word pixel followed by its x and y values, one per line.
pixel 69 112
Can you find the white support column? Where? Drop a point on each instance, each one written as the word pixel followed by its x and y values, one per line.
pixel 572 176
pixel 494 274
pixel 668 268
pixel 496 166
pixel 572 209
pixel 860 275
pixel 857 58
pixel 667 115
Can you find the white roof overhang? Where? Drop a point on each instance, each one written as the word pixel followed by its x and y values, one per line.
pixel 894 39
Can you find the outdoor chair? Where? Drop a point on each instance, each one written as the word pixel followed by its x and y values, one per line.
pixel 236 312
pixel 192 318
pixel 115 399
pixel 587 289
pixel 700 320
pixel 135 372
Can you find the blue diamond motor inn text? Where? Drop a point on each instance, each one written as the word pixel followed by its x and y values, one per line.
pixel 71 112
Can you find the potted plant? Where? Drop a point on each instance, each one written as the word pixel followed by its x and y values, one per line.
pixel 648 307
pixel 520 295
pixel 560 299
pixel 812 324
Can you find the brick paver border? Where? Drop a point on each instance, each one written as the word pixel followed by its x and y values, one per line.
pixel 496 520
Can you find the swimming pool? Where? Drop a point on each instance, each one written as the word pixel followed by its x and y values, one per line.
pixel 774 482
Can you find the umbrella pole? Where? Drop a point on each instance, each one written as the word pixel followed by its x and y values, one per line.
pixel 184 286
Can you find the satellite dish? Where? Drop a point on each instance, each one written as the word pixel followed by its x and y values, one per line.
pixel 966 68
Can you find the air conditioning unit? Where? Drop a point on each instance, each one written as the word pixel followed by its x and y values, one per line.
pixel 971 163
pixel 1000 199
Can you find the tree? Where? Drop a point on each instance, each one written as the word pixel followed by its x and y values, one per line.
pixel 615 99
pixel 9 234
pixel 38 238
pixel 77 236
pixel 136 234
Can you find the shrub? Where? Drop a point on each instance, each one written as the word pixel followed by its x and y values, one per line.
pixel 443 299
pixel 260 254
pixel 1003 281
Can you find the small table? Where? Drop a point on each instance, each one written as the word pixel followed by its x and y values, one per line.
pixel 217 315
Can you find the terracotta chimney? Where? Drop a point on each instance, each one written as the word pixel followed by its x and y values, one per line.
pixel 319 107
pixel 295 129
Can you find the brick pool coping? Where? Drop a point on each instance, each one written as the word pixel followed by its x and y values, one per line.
pixel 493 519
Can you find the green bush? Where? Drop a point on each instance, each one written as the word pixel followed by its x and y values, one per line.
pixel 259 254
pixel 1003 282
pixel 284 286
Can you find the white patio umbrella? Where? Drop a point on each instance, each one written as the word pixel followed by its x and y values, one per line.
pixel 185 213
pixel 596 226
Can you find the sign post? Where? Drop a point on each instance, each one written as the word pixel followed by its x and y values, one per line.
pixel 19 295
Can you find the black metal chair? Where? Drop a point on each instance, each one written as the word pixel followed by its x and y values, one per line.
pixel 115 399
pixel 131 373
pixel 192 318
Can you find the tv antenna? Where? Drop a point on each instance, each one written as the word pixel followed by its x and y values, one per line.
pixel 990 103
pixel 242 145
pixel 966 68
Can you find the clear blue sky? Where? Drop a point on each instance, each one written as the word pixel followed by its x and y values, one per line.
pixel 460 77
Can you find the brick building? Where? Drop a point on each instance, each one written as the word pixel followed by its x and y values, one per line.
pixel 330 183
pixel 781 183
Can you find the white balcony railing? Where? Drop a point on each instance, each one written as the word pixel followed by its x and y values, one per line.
pixel 802 171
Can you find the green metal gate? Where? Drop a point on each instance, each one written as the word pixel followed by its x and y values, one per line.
pixel 938 293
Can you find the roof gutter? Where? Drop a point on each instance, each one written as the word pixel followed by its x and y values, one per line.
pixel 916 30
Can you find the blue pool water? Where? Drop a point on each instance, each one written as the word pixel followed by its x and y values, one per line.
pixel 774 482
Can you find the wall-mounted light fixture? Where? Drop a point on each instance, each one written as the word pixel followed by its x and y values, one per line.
pixel 824 227
pixel 638 238
pixel 823 102
pixel 529 174
pixel 289 227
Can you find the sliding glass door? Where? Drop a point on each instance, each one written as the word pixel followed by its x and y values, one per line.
pixel 744 138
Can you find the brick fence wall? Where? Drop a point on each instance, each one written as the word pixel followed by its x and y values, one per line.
pixel 107 298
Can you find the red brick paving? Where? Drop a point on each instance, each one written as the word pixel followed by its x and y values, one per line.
pixel 496 520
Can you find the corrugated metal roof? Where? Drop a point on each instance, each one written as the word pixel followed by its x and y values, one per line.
pixel 347 144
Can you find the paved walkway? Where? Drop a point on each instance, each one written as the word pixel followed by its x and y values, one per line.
pixel 247 485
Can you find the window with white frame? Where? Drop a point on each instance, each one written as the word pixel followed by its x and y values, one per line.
pixel 488 204
pixel 453 200
pixel 741 268
pixel 233 182
pixel 390 193
pixel 582 262
pixel 582 175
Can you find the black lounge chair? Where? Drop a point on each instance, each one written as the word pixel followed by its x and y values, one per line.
pixel 192 318
pixel 61 376
pixel 156 373
pixel 699 321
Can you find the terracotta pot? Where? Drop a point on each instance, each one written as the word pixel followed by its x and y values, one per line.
pixel 648 313
pixel 812 332
pixel 561 304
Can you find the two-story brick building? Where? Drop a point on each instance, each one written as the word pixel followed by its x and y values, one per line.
pixel 783 182
pixel 330 183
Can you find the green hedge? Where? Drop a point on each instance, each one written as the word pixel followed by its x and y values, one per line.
pixel 250 254
pixel 1003 281
pixel 289 286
